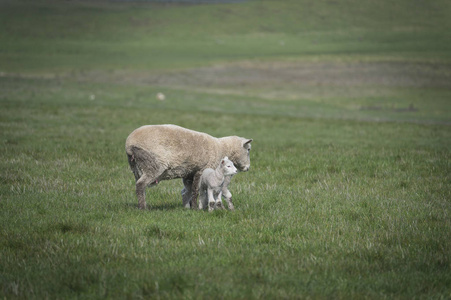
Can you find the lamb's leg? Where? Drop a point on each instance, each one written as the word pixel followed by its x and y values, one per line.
pixel 226 193
pixel 230 203
pixel 195 190
pixel 228 198
pixel 187 192
pixel 218 204
pixel 211 200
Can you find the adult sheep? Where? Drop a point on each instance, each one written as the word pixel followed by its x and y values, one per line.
pixel 161 152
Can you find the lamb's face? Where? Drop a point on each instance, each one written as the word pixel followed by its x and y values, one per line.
pixel 228 167
pixel 243 160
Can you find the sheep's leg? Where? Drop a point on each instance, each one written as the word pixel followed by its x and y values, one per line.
pixel 203 201
pixel 187 192
pixel 146 169
pixel 141 185
pixel 195 190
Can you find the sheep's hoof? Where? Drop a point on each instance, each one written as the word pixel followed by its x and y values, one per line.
pixel 219 205
pixel 211 206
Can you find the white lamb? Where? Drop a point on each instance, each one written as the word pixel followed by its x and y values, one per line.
pixel 211 184
pixel 226 194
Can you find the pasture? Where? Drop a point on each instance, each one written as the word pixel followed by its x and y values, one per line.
pixel 349 191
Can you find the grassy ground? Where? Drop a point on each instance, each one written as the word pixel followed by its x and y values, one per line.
pixel 349 191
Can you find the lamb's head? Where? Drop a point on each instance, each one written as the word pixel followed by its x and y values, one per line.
pixel 227 167
pixel 240 152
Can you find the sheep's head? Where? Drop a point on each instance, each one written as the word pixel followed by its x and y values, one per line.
pixel 242 158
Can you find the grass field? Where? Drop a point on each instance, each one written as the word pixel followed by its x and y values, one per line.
pixel 349 191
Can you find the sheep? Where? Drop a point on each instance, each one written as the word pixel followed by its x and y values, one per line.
pixel 211 184
pixel 162 152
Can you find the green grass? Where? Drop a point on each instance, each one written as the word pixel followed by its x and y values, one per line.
pixel 349 190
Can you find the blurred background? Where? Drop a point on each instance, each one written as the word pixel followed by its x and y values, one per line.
pixel 367 60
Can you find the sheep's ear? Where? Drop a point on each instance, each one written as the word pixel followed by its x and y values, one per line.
pixel 246 142
pixel 222 162
pixel 225 158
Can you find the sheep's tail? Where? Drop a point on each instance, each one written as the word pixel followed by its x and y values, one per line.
pixel 133 164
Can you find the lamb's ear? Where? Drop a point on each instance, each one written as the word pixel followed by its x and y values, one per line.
pixel 225 158
pixel 222 162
